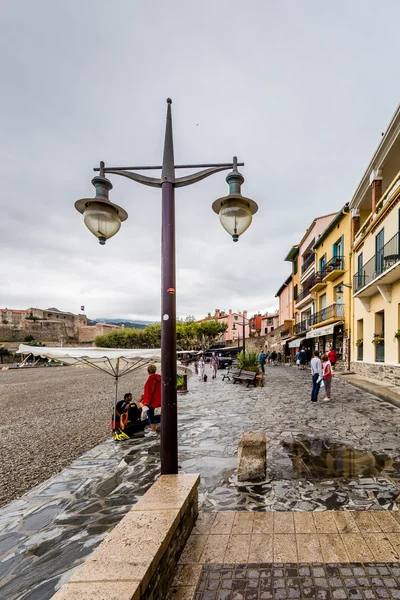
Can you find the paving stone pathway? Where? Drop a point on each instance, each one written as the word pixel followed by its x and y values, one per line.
pixel 282 555
pixel 280 581
pixel 344 455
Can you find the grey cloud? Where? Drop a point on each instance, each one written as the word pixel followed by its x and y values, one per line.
pixel 300 91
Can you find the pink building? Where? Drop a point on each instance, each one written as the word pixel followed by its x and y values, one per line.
pixel 285 295
pixel 234 321
pixel 269 322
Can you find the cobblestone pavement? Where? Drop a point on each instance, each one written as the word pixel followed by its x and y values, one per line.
pixel 280 581
pixel 339 455
pixel 343 455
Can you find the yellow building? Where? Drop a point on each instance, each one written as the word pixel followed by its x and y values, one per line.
pixel 330 322
pixel 375 210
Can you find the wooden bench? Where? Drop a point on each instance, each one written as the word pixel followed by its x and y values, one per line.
pixel 231 373
pixel 249 376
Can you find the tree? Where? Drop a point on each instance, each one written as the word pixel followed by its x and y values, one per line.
pixel 209 331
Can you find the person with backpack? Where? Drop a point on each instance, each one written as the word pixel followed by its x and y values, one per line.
pixel 151 398
pixel 261 360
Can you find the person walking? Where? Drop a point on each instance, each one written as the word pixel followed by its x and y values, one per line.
pixel 332 357
pixel 200 368
pixel 316 376
pixel 327 377
pixel 214 365
pixel 261 360
pixel 302 358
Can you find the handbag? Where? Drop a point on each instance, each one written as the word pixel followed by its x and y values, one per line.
pixel 298 361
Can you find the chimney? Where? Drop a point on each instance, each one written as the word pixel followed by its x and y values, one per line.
pixel 230 311
pixel 245 314
pixel 216 313
pixel 376 187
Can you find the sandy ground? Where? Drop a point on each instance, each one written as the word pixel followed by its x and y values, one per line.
pixel 49 417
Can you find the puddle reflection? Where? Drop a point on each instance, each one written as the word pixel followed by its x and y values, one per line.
pixel 318 459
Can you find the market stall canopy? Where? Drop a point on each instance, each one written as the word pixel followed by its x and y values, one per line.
pixel 115 361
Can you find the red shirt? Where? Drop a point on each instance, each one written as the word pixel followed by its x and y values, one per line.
pixel 152 391
pixel 332 356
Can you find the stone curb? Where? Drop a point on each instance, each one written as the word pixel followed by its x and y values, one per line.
pixel 138 557
pixel 372 388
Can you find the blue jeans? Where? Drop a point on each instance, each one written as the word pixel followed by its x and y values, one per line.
pixel 315 387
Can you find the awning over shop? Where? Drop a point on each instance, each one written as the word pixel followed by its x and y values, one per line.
pixel 296 343
pixel 321 331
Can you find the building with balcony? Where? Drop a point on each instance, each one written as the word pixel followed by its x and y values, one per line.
pixel 375 212
pixel 331 286
pixel 276 340
pixel 303 271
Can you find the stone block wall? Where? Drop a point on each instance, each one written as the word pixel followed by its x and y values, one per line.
pixel 44 331
pixel 383 372
pixel 90 332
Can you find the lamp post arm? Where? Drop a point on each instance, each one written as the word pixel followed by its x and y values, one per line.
pixel 179 181
pixel 151 181
pixel 195 177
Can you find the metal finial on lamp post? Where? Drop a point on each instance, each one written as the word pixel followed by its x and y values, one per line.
pixel 103 219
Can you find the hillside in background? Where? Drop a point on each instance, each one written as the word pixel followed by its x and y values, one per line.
pixel 126 323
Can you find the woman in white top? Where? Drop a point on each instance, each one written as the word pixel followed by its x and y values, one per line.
pixel 200 368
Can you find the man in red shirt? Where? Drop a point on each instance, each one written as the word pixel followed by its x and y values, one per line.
pixel 332 357
pixel 152 397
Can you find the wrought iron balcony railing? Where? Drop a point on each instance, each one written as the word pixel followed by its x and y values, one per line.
pixel 301 326
pixel 307 263
pixel 283 331
pixel 378 264
pixel 318 277
pixel 334 311
pixel 303 295
pixel 335 264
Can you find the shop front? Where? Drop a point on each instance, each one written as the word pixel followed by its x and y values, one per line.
pixel 325 338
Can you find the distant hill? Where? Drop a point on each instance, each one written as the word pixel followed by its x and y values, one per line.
pixel 126 323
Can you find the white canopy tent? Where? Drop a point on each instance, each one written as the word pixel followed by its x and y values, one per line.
pixel 116 362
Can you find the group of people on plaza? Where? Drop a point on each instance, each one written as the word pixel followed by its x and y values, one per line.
pixel 132 417
pixel 271 358
pixel 200 367
pixel 321 374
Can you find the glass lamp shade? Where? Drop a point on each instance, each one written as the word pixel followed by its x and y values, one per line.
pixel 102 220
pixel 235 217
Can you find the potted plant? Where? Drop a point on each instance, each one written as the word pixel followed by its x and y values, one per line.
pixel 379 338
pixel 397 335
pixel 359 342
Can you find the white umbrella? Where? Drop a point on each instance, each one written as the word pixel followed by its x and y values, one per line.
pixel 113 361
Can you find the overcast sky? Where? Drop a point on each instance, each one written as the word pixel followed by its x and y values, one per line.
pixel 299 90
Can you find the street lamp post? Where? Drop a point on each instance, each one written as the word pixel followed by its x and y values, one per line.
pixel 243 324
pixel 103 219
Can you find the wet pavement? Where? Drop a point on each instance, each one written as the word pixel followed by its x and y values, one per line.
pixel 343 455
